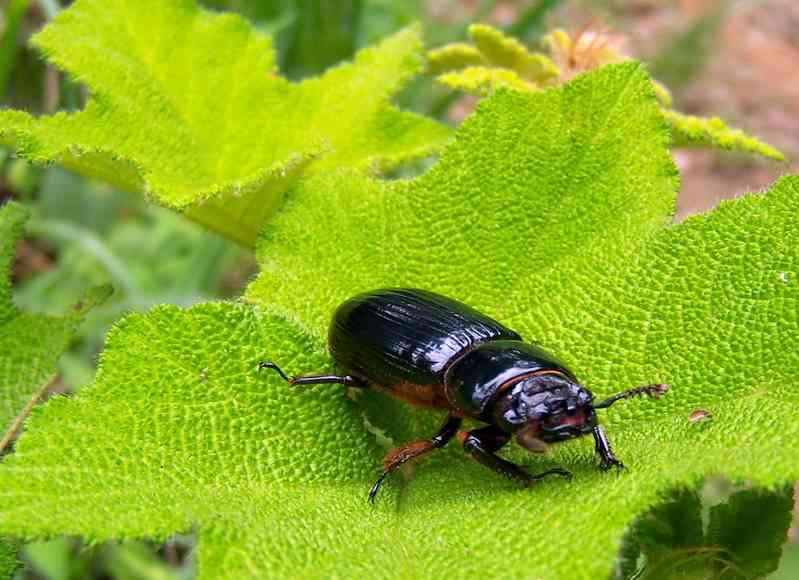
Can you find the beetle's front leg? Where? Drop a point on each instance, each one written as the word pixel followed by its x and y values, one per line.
pixel 606 457
pixel 482 444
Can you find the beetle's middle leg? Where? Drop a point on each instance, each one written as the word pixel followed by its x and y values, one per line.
pixel 405 453
pixel 303 380
pixel 482 444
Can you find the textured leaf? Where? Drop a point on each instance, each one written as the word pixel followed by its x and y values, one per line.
pixel 453 56
pixel 688 130
pixel 179 429
pixel 481 80
pixel 187 107
pixel 562 234
pixel 552 175
pixel 507 52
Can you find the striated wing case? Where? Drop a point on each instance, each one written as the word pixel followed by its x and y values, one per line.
pixel 401 336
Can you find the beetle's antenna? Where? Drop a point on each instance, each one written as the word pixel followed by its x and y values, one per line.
pixel 655 391
pixel 268 364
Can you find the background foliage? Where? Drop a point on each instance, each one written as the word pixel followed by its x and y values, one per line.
pixel 156 257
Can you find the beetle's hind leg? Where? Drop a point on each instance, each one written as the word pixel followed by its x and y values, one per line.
pixel 405 453
pixel 482 444
pixel 303 380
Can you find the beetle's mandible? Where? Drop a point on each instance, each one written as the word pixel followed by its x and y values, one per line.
pixel 435 352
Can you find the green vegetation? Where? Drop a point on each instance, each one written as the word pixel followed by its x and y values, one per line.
pixel 548 208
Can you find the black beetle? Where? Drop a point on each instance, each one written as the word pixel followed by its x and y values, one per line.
pixel 435 352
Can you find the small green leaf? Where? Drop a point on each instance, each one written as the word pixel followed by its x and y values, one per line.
pixel 507 52
pixel 744 537
pixel 453 56
pixel 482 81
pixel 54 559
pixel 752 526
pixel 688 130
pixel 187 107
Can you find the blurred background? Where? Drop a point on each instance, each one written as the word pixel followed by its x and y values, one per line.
pixel 734 59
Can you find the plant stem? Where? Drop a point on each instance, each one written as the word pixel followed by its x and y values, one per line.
pixel 8 44
pixel 18 420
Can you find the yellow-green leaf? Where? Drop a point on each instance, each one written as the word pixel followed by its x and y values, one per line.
pixel 690 131
pixel 507 52
pixel 482 81
pixel 453 56
pixel 188 108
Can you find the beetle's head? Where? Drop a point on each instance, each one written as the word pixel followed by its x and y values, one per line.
pixel 545 408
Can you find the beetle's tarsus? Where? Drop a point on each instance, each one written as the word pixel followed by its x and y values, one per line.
pixel 268 364
pixel 303 380
pixel 605 465
pixel 554 471
pixel 376 487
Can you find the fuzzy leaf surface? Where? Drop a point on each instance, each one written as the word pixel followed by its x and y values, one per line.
pixel 187 107
pixel 566 242
pixel 691 131
pixel 482 80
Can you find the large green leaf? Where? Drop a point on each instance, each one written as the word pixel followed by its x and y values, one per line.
pixel 550 212
pixel 187 107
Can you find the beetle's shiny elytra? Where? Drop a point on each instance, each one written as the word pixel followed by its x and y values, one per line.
pixel 435 352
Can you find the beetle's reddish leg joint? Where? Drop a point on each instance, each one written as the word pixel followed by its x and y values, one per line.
pixel 401 455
